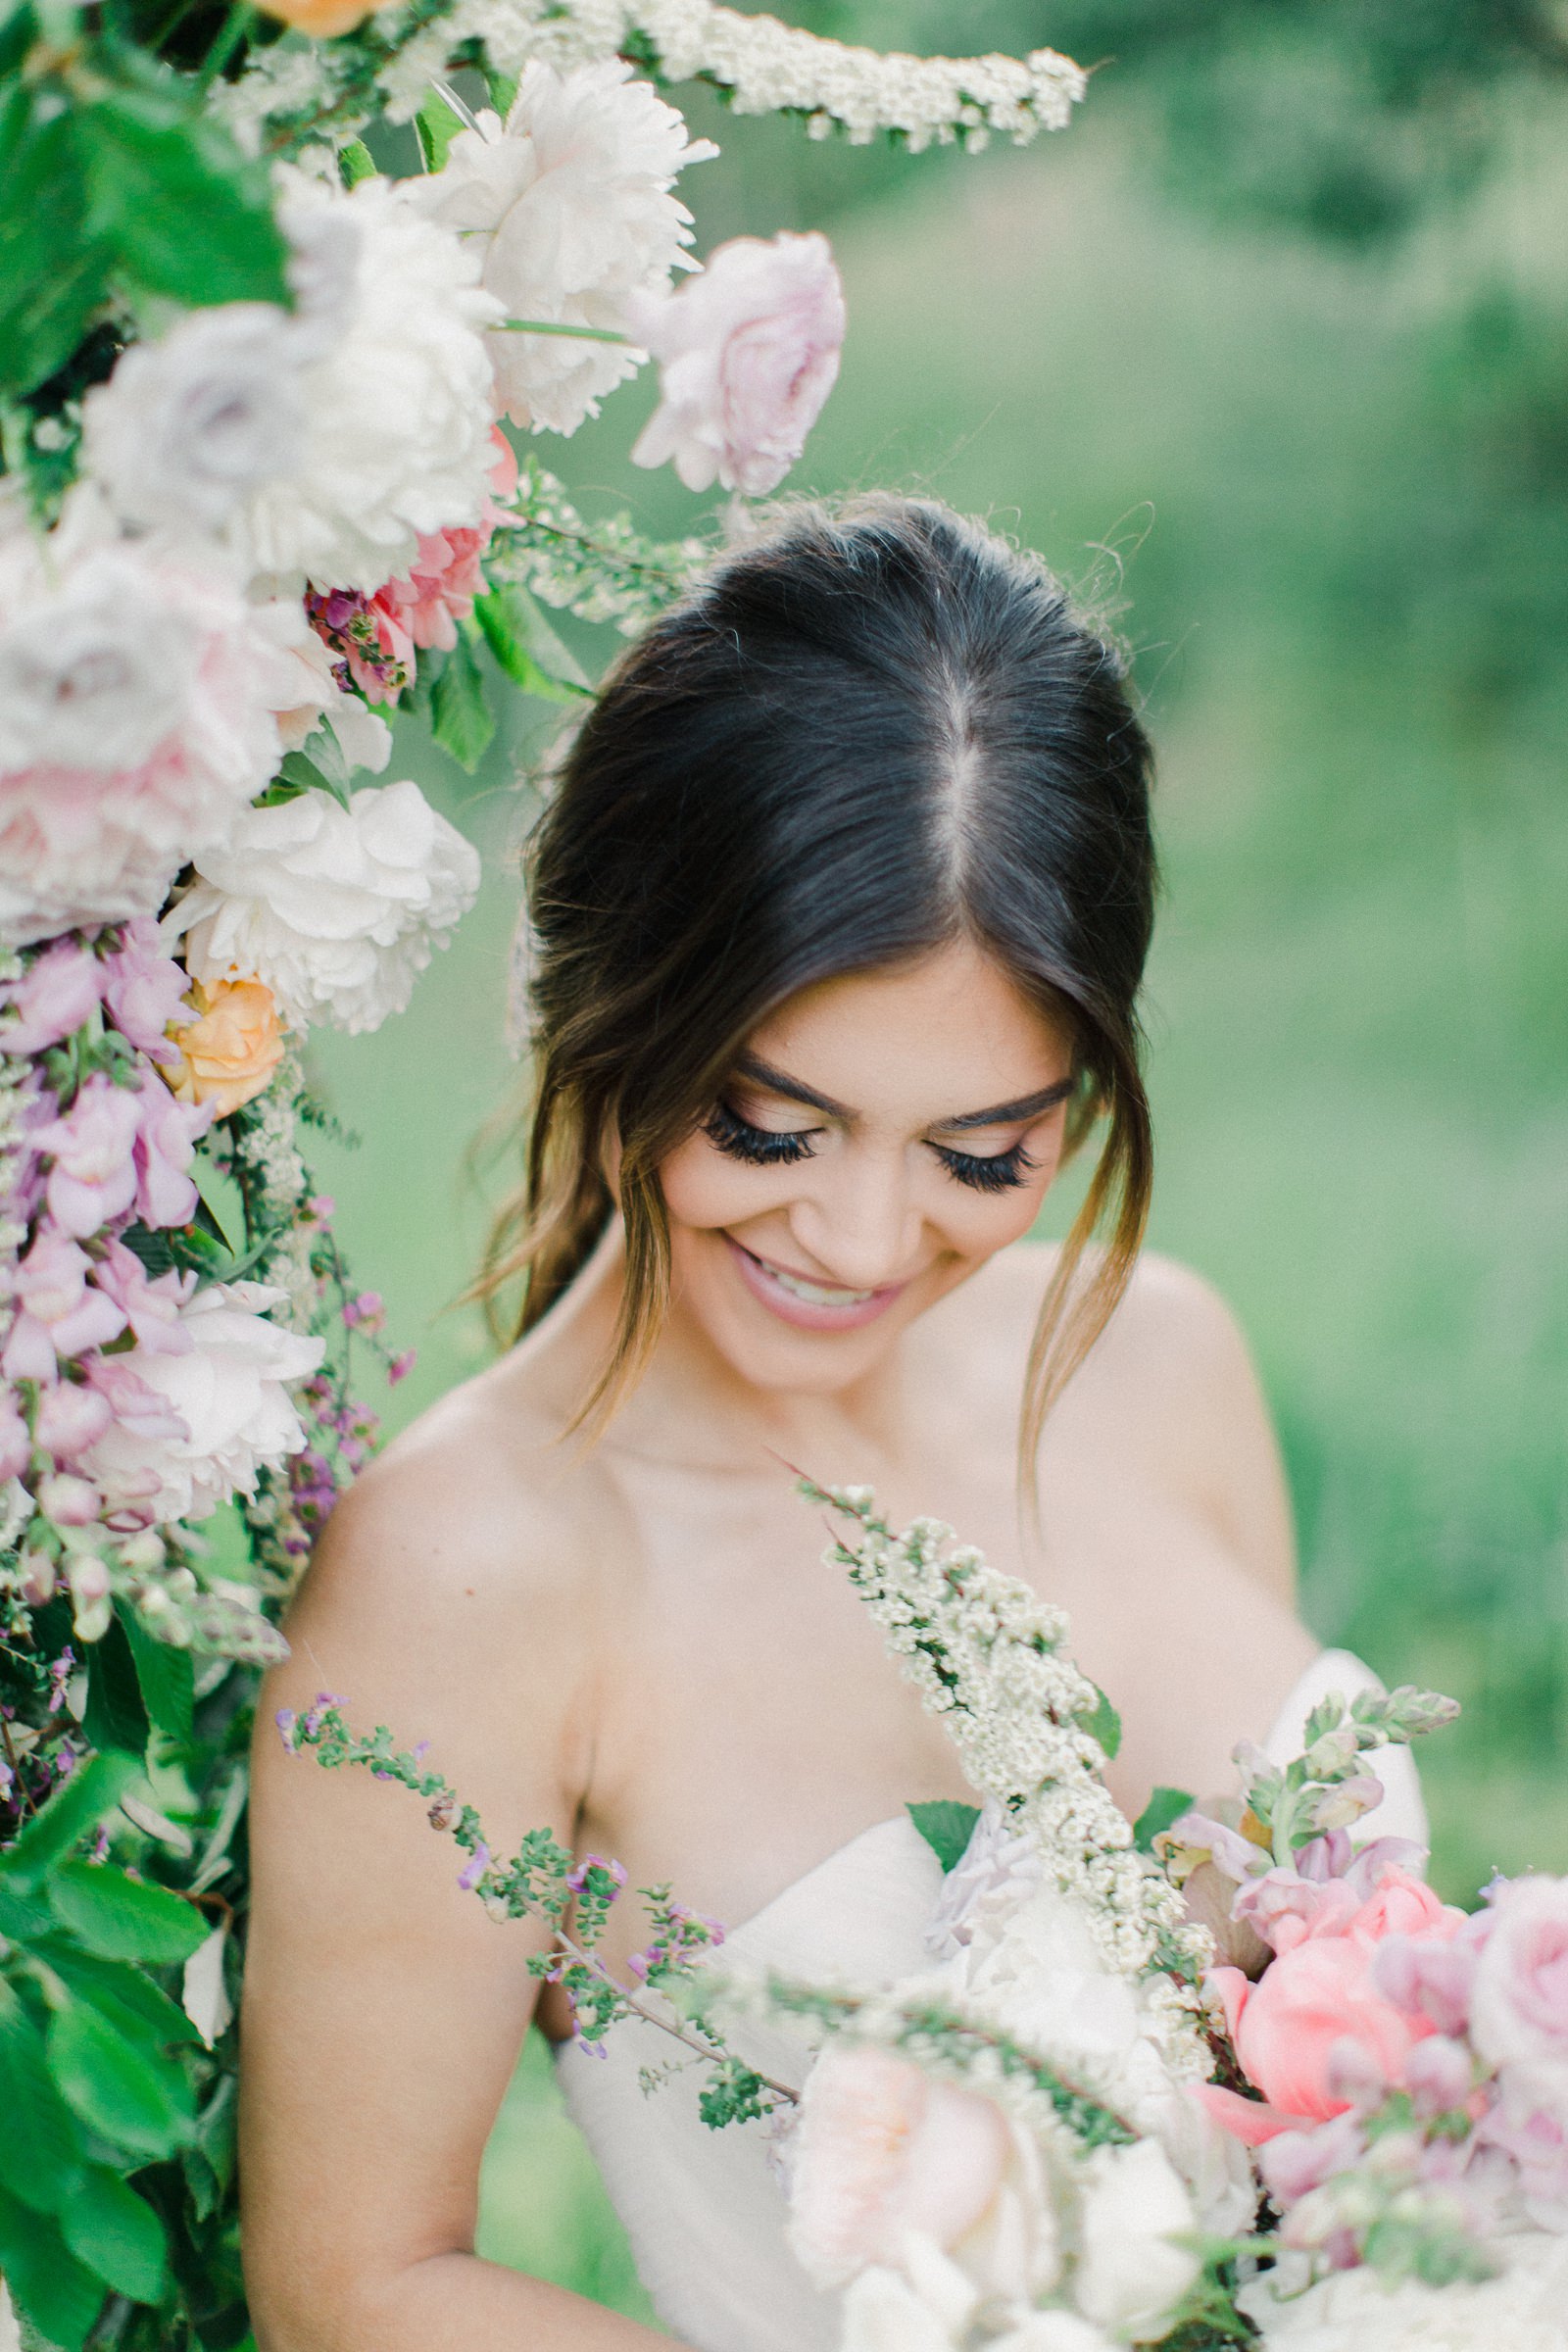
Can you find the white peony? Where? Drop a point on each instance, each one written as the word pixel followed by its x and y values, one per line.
pixel 398 400
pixel 882 2313
pixel 137 694
pixel 189 429
pixel 1052 2331
pixel 228 1390
pixel 1361 2311
pixel 570 208
pixel 336 909
pixel 1130 2273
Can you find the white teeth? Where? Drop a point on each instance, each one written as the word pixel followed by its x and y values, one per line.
pixel 814 1294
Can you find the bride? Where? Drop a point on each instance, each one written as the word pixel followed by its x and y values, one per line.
pixel 840 912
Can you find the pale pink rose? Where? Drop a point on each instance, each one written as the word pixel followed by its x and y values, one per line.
pixel 1519 2008
pixel 16 1441
pixel 1434 1975
pixel 884 2154
pixel 150 1304
pixel 93 1178
pixel 135 722
pixel 166 1142
pixel 749 351
pixel 60 1315
pixel 55 995
pixel 144 989
pixel 69 1418
pixel 143 1412
pixel 1529 2121
pixel 1439 2076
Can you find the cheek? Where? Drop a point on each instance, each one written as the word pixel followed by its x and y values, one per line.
pixel 703 1189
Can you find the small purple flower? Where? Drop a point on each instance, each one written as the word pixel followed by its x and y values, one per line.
pixel 400 1366
pixel 577 1879
pixel 287 1723
pixel 59 1673
pixel 478 1863
pixel 421 1751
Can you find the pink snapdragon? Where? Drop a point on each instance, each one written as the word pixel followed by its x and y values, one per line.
pixel 57 993
pixel 149 1304
pixel 369 636
pixel 59 1315
pixel 16 1439
pixel 70 1417
pixel 93 1179
pixel 144 989
pixel 164 1146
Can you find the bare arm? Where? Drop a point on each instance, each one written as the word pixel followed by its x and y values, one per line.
pixel 385 2009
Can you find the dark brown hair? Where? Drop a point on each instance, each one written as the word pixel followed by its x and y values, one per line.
pixel 862 736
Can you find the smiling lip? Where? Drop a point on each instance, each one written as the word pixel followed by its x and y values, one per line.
pixel 808 1305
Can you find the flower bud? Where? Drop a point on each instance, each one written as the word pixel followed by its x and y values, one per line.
pixel 443 1813
pixel 37 1578
pixel 68 1501
pixel 143 1551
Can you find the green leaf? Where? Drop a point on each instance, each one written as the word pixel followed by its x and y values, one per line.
pixel 49 2286
pixel 503 90
pixel 93 1789
pixel 217 2135
pixel 355 163
pixel 526 647
pixel 40 2148
pixel 166 1677
pixel 1164 1806
pixel 138 2104
pixel 133 2003
pixel 117 2235
pixel 1103 1724
pixel 461 717
pixel 121 1917
pixel 115 1715
pixel 52 272
pixel 946 1827
pixel 438 127
pixel 304 775
pixel 188 215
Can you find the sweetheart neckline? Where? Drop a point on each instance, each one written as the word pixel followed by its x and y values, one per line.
pixel 893 1820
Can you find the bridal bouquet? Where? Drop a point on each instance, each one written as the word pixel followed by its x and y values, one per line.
pixel 265 486
pixel 1079 2126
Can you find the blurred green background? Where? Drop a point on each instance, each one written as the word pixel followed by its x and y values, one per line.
pixel 1271 348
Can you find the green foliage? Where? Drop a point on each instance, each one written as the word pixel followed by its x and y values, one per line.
pixel 526 647
pixel 1103 1724
pixel 461 717
pixel 947 1828
pixel 1164 1806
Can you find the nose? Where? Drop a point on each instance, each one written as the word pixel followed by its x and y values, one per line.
pixel 861 1224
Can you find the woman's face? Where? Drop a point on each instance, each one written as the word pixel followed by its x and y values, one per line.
pixel 882 1136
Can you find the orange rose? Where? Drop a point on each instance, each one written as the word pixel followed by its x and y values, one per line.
pixel 227 1054
pixel 322 20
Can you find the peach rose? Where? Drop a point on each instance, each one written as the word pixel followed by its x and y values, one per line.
pixel 885 2154
pixel 227 1054
pixel 321 19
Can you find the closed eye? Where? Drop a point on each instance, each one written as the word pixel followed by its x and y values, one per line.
pixel 999 1173
pixel 757 1146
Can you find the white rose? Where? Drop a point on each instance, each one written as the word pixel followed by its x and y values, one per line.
pixel 997 1869
pixel 882 2313
pixel 1039 1969
pixel 1363 2311
pixel 336 909
pixel 1131 2276
pixel 568 208
pixel 1052 2331
pixel 187 428
pixel 397 400
pixel 228 1391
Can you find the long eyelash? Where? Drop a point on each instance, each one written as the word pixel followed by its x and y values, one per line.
pixel 758 1146
pixel 998 1175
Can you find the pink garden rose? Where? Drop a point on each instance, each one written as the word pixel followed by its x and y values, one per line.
pixel 749 351
pixel 93 1178
pixel 1317 2026
pixel 57 993
pixel 166 1144
pixel 885 2153
pixel 1519 2006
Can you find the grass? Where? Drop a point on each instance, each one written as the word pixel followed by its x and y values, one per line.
pixel 1358 1005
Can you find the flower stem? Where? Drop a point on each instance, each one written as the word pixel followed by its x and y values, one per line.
pixel 555 327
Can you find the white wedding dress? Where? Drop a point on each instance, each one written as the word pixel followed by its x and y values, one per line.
pixel 702 2209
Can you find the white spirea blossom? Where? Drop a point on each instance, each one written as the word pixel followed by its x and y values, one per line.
pixel 187 428
pixel 1362 2311
pixel 766 67
pixel 987 1656
pixel 336 909
pixel 568 208
pixel 398 407
pixel 229 1390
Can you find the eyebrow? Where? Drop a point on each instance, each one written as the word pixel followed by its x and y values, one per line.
pixel 999 1114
